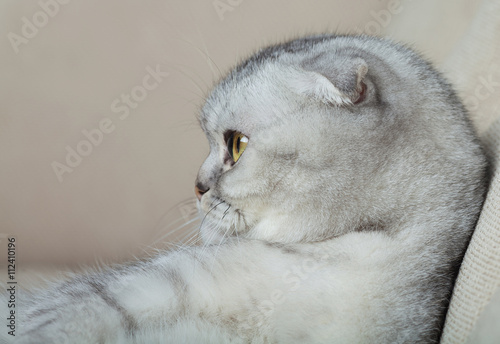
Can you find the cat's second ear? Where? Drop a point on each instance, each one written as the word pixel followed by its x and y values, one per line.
pixel 333 82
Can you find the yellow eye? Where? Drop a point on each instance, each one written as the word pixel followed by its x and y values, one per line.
pixel 236 144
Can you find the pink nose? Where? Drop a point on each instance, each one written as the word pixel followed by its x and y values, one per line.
pixel 199 192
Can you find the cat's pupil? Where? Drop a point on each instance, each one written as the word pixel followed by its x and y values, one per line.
pixel 238 144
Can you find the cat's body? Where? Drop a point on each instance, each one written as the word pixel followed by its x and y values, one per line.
pixel 343 221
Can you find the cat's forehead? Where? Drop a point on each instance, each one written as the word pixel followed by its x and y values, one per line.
pixel 256 84
pixel 257 88
pixel 246 99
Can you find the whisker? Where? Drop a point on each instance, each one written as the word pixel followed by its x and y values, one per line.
pixel 219 245
pixel 170 210
pixel 209 60
pixel 203 221
pixel 176 230
pixel 211 209
pixel 225 212
pixel 180 69
pixel 190 237
pixel 235 223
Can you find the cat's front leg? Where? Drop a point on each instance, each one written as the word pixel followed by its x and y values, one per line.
pixel 80 310
pixel 232 293
pixel 171 296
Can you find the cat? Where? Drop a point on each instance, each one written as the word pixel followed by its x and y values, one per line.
pixel 342 187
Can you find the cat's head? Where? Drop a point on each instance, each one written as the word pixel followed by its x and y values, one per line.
pixel 324 135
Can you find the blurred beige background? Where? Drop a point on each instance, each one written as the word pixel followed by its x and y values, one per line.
pixel 67 67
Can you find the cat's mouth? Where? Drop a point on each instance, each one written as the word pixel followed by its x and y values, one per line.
pixel 220 220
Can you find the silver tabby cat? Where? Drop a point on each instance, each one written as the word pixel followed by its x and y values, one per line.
pixel 343 184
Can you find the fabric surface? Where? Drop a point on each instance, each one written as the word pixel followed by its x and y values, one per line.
pixel 486 330
pixel 479 276
pixel 475 68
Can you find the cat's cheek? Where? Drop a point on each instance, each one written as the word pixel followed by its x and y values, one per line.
pixel 244 182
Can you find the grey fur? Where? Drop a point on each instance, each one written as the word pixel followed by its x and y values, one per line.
pixel 357 211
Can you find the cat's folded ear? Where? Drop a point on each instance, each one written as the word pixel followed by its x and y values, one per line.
pixel 337 82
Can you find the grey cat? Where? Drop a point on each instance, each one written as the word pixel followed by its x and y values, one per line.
pixel 343 184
